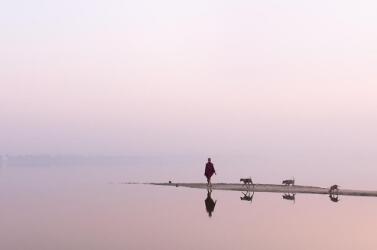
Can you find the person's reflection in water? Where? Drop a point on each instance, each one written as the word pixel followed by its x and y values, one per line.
pixel 210 204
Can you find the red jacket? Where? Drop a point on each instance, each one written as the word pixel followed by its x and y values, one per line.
pixel 210 170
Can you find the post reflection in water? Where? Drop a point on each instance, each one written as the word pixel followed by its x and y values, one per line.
pixel 210 204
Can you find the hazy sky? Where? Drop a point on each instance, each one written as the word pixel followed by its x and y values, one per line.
pixel 142 77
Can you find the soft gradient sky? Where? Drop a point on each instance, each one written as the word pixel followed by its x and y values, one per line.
pixel 219 77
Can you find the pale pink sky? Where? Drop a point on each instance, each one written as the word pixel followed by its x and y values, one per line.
pixel 140 77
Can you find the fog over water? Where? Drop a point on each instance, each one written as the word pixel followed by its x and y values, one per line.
pixel 97 93
pixel 146 77
pixel 286 89
pixel 86 207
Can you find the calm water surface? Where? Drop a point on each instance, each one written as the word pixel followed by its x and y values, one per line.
pixel 88 208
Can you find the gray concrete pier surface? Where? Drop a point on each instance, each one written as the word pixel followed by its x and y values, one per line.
pixel 273 188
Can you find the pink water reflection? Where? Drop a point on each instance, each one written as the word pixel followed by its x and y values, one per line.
pixel 50 208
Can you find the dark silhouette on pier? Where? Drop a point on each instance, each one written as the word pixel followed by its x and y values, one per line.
pixel 288 182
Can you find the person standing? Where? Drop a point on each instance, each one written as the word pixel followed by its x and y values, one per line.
pixel 209 171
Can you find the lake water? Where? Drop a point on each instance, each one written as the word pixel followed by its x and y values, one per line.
pixel 88 207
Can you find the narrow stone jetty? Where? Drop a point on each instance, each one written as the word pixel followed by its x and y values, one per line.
pixel 272 188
